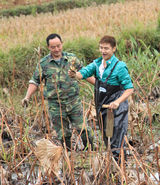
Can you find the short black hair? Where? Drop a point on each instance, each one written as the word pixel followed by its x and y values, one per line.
pixel 108 40
pixel 52 36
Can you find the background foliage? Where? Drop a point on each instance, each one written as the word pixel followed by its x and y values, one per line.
pixel 52 6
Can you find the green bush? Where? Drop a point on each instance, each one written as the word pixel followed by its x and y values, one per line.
pixel 21 61
pixel 131 40
pixel 17 63
pixel 85 48
pixel 140 52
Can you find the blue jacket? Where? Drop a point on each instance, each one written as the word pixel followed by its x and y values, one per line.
pixel 119 76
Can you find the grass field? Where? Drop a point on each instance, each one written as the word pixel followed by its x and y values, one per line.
pixel 88 22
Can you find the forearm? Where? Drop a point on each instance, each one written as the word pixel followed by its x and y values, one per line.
pixel 91 80
pixel 115 104
pixel 124 96
pixel 79 76
pixel 31 90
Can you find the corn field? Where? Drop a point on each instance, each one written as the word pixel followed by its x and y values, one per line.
pixel 90 22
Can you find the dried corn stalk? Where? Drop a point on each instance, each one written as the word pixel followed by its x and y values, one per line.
pixel 72 67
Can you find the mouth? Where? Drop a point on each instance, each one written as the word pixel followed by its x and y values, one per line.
pixel 57 53
pixel 104 55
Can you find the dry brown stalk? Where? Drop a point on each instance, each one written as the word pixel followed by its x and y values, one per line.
pixel 84 125
pixel 85 179
pixel 157 159
pixel 3 176
pixel 117 166
pixel 140 165
pixel 32 168
pixel 21 137
pixel 67 158
pixel 149 114
pixel 72 165
pixel 108 161
pixel 95 163
pixel 85 84
pixel 122 165
pixel 59 101
pixel 10 131
pixel 35 121
pixel 38 182
pixel 98 172
pixel 43 107
pixel 137 172
pixel 28 155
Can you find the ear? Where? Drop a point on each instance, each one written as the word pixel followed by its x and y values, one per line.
pixel 114 49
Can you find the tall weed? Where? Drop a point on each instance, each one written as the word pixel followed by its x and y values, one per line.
pixel 85 48
pixel 143 64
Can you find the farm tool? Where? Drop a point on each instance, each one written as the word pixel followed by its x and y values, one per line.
pixel 109 122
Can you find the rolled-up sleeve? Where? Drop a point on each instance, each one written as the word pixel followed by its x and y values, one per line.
pixel 88 71
pixel 124 77
pixel 36 76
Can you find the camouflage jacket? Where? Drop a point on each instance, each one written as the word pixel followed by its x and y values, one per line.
pixel 55 76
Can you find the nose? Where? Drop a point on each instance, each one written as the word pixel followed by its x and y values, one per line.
pixel 56 48
pixel 102 50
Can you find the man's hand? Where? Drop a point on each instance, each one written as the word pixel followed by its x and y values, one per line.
pixel 72 73
pixel 113 105
pixel 25 102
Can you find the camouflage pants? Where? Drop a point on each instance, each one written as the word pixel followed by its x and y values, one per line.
pixel 66 114
pixel 69 115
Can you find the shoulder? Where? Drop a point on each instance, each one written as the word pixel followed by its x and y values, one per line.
pixel 97 61
pixel 67 54
pixel 70 57
pixel 45 59
pixel 121 64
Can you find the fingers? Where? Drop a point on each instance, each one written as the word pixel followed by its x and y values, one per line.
pixel 113 105
pixel 72 74
pixel 25 102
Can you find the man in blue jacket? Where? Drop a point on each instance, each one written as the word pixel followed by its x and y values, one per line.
pixel 114 86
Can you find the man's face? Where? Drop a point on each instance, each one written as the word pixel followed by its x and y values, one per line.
pixel 55 46
pixel 106 50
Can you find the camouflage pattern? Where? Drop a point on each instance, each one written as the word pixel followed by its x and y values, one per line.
pixel 71 114
pixel 55 76
pixel 61 91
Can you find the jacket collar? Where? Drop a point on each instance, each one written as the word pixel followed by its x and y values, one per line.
pixel 51 59
pixel 112 60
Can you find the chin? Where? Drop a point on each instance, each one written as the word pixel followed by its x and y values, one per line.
pixel 105 58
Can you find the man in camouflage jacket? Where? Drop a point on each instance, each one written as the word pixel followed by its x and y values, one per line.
pixel 61 91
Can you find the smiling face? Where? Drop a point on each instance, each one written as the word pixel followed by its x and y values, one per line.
pixel 106 50
pixel 55 46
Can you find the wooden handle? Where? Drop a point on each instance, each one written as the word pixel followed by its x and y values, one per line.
pixel 105 106
pixel 109 121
